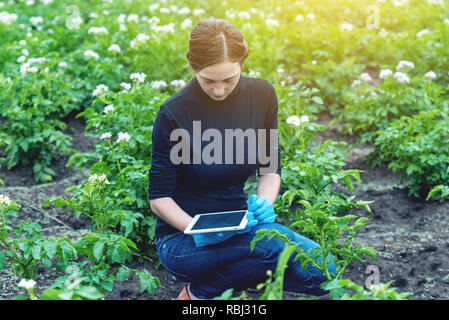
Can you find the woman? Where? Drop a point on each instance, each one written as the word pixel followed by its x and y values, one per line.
pixel 216 100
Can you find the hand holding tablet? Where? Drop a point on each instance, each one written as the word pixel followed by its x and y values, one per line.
pixel 218 221
pixel 230 223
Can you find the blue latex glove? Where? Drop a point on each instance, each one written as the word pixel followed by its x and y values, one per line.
pixel 262 209
pixel 205 239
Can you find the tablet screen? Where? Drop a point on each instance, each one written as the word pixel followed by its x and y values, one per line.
pixel 225 219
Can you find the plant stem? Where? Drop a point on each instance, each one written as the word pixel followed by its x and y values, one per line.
pixel 323 246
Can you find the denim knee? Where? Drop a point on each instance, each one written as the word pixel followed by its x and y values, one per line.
pixel 269 250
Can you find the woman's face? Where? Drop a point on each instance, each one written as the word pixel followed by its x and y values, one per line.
pixel 220 79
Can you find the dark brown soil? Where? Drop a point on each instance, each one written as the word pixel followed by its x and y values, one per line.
pixel 410 235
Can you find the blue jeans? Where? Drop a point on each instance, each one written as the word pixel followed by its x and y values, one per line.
pixel 231 264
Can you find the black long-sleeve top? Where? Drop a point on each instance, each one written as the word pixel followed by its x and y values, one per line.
pixel 201 187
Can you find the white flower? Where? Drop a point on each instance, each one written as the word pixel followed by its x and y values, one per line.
pixel 93 178
pixel 184 10
pixel 109 108
pixel 103 178
pixel 26 68
pixel 97 30
pixel 62 64
pixel 401 77
pixel 186 24
pixel 133 18
pixel 25 52
pixel 21 59
pixel 7 18
pixel 310 16
pixel 105 135
pixel 198 12
pixel 114 48
pixel 385 73
pixel 365 76
pixel 22 42
pixel 304 119
pixel 139 39
pixel 271 23
pixel 431 75
pixel 158 84
pixel 138 76
pixel 346 26
pixel 121 18
pixel 244 15
pixel 123 136
pixel 91 54
pixel 399 3
pixel 356 83
pixel 153 21
pixel 422 32
pixel 37 60
pixel 404 63
pixel 101 89
pixel 126 85
pixel 295 120
pixel 164 10
pixel 178 83
pixel 153 7
pixel 446 21
pixel 36 20
pixel 166 28
pixel 299 17
pixel 4 199
pixel 27 284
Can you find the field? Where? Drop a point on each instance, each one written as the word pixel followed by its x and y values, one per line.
pixel 363 117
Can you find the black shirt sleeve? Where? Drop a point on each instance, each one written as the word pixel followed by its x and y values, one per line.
pixel 163 173
pixel 271 122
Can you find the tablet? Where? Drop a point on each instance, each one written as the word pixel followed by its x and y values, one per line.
pixel 217 221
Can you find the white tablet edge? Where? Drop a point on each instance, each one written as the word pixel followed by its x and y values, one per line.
pixel 196 217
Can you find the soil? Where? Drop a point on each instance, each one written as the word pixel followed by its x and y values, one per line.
pixel 410 235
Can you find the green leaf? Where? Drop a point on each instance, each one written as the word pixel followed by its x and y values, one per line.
pixel 2 261
pixel 89 292
pixel 147 281
pixel 24 145
pixel 36 252
pixel 98 250
pixel 123 273
pixel 50 247
pixel 317 100
pixel 51 294
pixel 348 183
pixel 66 250
pixel 117 254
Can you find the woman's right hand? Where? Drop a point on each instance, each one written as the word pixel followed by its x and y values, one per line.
pixel 262 209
